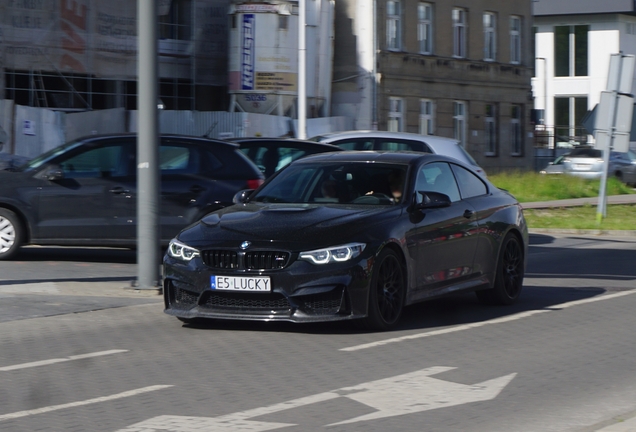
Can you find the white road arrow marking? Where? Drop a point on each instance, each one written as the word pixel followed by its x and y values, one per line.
pixel 417 392
pixel 201 424
pixel 395 396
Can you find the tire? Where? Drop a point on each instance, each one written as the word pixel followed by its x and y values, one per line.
pixel 11 234
pixel 509 274
pixel 619 176
pixel 386 293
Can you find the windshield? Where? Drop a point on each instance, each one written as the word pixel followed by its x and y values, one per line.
pixel 44 157
pixel 336 183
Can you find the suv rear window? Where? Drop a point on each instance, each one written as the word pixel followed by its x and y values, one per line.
pixel 586 152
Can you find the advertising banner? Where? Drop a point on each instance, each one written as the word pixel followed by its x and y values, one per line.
pixel 114 32
pixel 99 37
pixel 247 51
pixel 29 34
pixel 266 62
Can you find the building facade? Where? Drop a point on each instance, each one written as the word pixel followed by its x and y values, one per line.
pixel 454 68
pixel 82 54
pixel 574 43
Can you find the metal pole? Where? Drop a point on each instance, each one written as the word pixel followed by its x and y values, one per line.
pixel 148 245
pixel 302 81
pixel 601 209
pixel 374 79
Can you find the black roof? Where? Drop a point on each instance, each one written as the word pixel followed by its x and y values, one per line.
pixel 101 137
pixel 292 142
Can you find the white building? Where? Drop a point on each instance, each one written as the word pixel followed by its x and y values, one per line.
pixel 573 45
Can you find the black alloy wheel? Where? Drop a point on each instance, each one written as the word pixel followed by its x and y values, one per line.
pixel 387 292
pixel 509 277
pixel 11 234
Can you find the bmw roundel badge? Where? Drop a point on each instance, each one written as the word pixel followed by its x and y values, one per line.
pixel 245 244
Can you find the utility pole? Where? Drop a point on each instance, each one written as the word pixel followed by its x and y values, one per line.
pixel 302 73
pixel 148 244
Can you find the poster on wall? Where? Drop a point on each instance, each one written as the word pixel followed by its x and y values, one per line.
pixel 28 127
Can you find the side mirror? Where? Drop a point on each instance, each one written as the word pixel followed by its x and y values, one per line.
pixel 432 200
pixel 54 173
pixel 242 196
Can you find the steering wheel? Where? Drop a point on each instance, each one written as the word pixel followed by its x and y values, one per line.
pixel 374 198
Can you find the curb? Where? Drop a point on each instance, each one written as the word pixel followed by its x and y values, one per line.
pixel 590 232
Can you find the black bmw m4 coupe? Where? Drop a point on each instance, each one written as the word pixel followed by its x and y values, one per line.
pixel 350 236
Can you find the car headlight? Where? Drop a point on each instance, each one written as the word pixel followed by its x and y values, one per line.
pixel 333 254
pixel 181 251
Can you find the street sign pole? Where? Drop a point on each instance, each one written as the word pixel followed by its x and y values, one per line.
pixel 613 120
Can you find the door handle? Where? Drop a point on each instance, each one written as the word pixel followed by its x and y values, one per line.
pixel 468 214
pixel 196 189
pixel 118 190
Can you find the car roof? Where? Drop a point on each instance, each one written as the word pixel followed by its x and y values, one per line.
pixel 440 145
pixel 384 134
pixel 204 140
pixel 289 142
pixel 373 156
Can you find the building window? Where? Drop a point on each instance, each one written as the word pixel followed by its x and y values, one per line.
pixel 570 50
pixel 425 27
pixel 283 22
pixel 459 32
pixel 177 23
pixel 568 119
pixel 396 115
pixel 459 122
pixel 515 130
pixel 491 130
pixel 490 36
pixel 515 39
pixel 393 26
pixel 426 117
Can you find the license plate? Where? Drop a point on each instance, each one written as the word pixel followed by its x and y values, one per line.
pixel 583 167
pixel 240 283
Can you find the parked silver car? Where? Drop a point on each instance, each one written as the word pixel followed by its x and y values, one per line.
pixel 555 167
pixel 382 140
pixel 587 162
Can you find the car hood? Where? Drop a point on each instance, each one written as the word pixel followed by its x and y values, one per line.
pixel 286 223
pixel 12 179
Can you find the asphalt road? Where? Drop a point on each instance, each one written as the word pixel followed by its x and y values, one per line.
pixel 80 350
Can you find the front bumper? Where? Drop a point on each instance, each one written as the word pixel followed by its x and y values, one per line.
pixel 302 292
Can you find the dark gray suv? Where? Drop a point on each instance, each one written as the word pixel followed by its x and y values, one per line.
pixel 85 192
